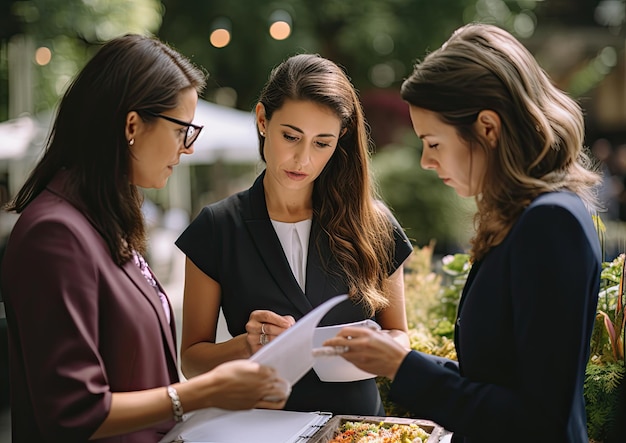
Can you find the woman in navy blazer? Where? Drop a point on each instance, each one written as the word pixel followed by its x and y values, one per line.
pixel 308 229
pixel 494 127
pixel 91 334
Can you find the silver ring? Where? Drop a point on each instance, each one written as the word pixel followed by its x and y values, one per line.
pixel 348 337
pixel 263 339
pixel 263 328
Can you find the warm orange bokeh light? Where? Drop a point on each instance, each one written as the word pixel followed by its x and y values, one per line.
pixel 43 56
pixel 220 38
pixel 280 30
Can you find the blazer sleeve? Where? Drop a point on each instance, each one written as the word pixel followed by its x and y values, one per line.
pixel 56 311
pixel 554 275
pixel 403 246
pixel 198 243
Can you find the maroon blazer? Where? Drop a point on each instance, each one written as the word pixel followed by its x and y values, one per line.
pixel 80 326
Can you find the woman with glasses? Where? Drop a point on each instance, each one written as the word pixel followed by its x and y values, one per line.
pixel 308 229
pixel 91 332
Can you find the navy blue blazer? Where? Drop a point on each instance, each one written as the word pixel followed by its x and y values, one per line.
pixel 233 242
pixel 522 335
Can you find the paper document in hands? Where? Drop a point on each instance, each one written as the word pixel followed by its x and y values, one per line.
pixel 335 368
pixel 291 353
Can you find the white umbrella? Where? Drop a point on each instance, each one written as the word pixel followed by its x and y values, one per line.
pixel 229 135
pixel 15 137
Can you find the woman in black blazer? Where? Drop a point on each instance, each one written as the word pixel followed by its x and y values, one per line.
pixel 309 229
pixel 494 127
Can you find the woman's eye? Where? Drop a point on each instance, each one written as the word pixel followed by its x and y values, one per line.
pixel 323 145
pixel 290 137
pixel 434 146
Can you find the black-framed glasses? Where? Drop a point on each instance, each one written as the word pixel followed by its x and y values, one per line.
pixel 192 133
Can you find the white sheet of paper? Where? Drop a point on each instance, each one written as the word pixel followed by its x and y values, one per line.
pixel 291 354
pixel 336 368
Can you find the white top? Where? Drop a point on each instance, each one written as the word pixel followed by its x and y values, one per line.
pixel 294 238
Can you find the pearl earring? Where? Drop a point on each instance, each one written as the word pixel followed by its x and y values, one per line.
pixel 262 133
pixel 131 142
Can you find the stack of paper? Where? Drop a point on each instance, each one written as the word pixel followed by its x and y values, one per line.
pixel 256 425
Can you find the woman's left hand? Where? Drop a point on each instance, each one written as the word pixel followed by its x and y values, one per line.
pixel 372 351
pixel 263 326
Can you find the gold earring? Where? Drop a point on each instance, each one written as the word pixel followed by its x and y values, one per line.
pixel 131 142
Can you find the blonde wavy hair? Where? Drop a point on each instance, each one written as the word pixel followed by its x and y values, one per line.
pixel 540 147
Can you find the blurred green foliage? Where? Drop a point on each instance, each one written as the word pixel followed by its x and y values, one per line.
pixel 376 41
pixel 358 34
pixel 72 30
pixel 426 208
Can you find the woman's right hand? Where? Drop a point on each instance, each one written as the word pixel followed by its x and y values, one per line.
pixel 241 384
pixel 263 326
pixel 376 352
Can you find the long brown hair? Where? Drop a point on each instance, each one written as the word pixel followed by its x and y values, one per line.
pixel 344 195
pixel 87 140
pixel 540 146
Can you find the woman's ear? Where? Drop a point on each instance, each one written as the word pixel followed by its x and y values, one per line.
pixel 132 122
pixel 488 125
pixel 261 120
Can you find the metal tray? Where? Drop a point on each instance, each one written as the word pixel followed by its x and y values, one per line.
pixel 327 432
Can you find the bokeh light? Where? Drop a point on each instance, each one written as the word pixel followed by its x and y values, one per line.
pixel 280 24
pixel 280 30
pixel 594 72
pixel 383 44
pixel 43 56
pixel 382 75
pixel 524 25
pixel 220 38
pixel 220 32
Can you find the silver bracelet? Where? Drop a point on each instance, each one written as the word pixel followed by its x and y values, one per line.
pixel 177 407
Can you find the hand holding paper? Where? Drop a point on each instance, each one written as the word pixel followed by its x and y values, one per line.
pixel 377 352
pixel 329 365
pixel 291 353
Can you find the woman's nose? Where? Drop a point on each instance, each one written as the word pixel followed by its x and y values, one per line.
pixel 188 150
pixel 427 161
pixel 302 155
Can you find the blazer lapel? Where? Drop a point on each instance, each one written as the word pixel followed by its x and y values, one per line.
pixel 56 186
pixel 468 283
pixel 316 274
pixel 133 272
pixel 254 213
pixel 466 288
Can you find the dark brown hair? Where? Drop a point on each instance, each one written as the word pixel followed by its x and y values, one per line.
pixel 344 196
pixel 129 73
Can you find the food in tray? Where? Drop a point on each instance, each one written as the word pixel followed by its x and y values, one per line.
pixel 361 432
